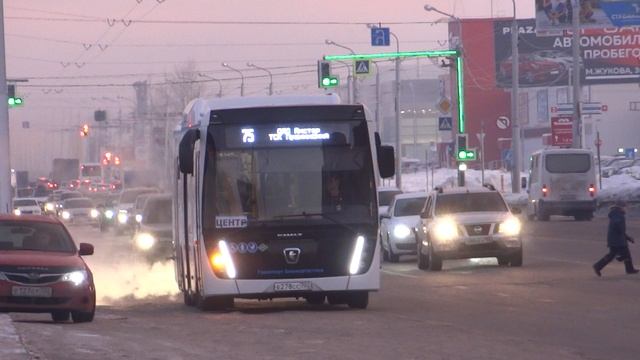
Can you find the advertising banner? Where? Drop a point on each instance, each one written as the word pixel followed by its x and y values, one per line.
pixel 608 56
pixel 558 14
pixel 561 130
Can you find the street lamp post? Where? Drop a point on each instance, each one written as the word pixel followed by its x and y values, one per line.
pixel 224 64
pixel 216 79
pixel 355 81
pixel 268 72
pixel 516 147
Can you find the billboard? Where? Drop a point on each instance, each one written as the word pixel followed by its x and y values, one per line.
pixel 608 56
pixel 558 14
pixel 562 130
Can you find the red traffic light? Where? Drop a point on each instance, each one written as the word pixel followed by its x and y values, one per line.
pixel 84 130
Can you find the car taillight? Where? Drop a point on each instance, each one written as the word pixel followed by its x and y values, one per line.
pixel 592 190
pixel 545 190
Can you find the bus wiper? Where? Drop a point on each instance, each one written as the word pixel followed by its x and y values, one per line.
pixel 322 214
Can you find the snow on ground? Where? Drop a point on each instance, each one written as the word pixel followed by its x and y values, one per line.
pixel 623 186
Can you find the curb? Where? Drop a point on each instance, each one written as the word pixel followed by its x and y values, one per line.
pixel 11 347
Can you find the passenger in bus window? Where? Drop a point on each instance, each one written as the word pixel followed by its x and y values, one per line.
pixel 334 193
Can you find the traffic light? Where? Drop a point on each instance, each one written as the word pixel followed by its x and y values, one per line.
pixel 84 130
pixel 463 153
pixel 106 158
pixel 12 100
pixel 325 79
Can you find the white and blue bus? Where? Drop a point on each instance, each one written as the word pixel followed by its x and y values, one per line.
pixel 276 197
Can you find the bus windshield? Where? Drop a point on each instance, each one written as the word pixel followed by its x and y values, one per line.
pixel 327 175
pixel 90 170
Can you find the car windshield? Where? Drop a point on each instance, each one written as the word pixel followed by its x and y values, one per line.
pixel 157 211
pixel 568 163
pixel 409 207
pixel 25 202
pixel 38 236
pixel 386 196
pixel 469 202
pixel 78 204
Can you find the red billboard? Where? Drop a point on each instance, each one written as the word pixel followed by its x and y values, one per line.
pixel 561 130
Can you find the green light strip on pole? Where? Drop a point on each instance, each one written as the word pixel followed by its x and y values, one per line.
pixel 438 53
pixel 459 70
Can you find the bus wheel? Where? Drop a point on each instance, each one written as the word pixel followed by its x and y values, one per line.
pixel 215 303
pixel 188 298
pixel 315 299
pixel 358 300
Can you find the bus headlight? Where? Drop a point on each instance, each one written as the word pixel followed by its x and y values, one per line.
pixel 510 227
pixel 123 217
pixel 66 215
pixel 109 214
pixel 76 277
pixel 94 213
pixel 221 260
pixel 145 241
pixel 356 257
pixel 401 231
pixel 445 230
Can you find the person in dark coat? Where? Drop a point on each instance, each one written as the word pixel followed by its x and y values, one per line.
pixel 617 240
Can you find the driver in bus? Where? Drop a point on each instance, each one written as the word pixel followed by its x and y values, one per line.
pixel 334 193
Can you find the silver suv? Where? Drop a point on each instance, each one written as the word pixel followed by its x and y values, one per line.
pixel 462 223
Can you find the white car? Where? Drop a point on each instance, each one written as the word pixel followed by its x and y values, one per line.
pixel 78 210
pixel 462 223
pixel 385 196
pixel 399 225
pixel 23 206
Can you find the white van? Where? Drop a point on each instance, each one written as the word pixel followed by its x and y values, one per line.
pixel 562 182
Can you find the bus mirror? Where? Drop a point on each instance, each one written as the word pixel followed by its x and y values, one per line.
pixel 523 182
pixel 386 159
pixel 185 151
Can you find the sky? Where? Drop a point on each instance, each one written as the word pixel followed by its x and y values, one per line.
pixel 79 40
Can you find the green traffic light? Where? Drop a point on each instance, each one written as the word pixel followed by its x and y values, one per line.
pixel 329 81
pixel 326 81
pixel 462 154
pixel 11 101
pixel 18 101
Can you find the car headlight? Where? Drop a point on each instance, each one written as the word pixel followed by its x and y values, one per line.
pixel 445 230
pixel 510 227
pixel 145 241
pixel 123 217
pixel 66 215
pixel 94 213
pixel 138 218
pixel 17 212
pixel 401 231
pixel 50 207
pixel 109 214
pixel 76 277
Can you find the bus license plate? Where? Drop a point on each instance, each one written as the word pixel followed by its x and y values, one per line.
pixel 292 286
pixel 44 292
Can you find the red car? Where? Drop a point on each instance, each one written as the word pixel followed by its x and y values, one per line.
pixel 535 69
pixel 42 271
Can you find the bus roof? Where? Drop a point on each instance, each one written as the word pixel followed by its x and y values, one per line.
pixel 197 111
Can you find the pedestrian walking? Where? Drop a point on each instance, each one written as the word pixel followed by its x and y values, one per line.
pixel 617 240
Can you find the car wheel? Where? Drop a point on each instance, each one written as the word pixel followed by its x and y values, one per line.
pixel 60 316
pixel 80 316
pixel 435 262
pixel 503 260
pixel 423 260
pixel 392 257
pixel 315 299
pixel 516 260
pixel 337 299
pixel 358 300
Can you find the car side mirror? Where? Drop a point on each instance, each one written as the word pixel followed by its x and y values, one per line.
pixel 516 211
pixel 85 249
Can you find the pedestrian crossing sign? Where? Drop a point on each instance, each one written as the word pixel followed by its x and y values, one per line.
pixel 362 67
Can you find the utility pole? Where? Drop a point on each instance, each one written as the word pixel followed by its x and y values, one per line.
pixel 516 146
pixel 5 159
pixel 577 119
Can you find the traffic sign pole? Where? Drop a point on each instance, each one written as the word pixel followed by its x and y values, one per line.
pixel 598 144
pixel 5 160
